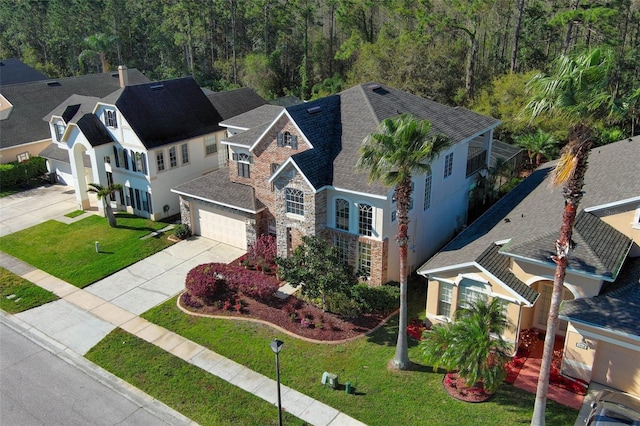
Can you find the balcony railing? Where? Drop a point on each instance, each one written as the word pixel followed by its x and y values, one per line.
pixel 476 162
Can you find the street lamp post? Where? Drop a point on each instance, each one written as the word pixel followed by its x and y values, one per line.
pixel 276 346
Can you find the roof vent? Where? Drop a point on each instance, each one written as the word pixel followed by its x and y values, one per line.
pixel 314 109
pixel 373 86
pixel 159 86
pixel 54 84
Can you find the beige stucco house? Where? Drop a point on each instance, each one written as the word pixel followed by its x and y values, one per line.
pixel 506 254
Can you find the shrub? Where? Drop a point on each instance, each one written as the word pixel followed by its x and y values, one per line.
pixel 343 305
pixel 182 231
pixel 262 253
pixel 15 173
pixel 206 282
pixel 376 299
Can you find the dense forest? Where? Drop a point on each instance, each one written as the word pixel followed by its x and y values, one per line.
pixel 476 53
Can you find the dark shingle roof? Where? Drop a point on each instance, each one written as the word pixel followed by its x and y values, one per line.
pixel 14 71
pixel 94 130
pixel 32 101
pixel 498 265
pixel 234 102
pixel 320 123
pixel 218 188
pixel 617 310
pixel 533 210
pixel 168 111
pixel 599 249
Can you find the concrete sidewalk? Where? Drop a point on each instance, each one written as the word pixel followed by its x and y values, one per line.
pixel 82 317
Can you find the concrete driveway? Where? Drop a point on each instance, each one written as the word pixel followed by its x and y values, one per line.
pixel 26 209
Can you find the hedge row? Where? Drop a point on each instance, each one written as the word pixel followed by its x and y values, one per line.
pixel 14 173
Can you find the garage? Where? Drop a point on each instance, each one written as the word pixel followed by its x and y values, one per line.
pixel 617 366
pixel 220 226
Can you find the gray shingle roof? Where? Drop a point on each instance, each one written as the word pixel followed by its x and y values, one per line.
pixel 617 310
pixel 32 101
pixel 248 137
pixel 599 249
pixel 168 111
pixel 53 152
pixel 66 110
pixel 498 265
pixel 234 102
pixel 218 188
pixel 533 210
pixel 14 71
pixel 261 115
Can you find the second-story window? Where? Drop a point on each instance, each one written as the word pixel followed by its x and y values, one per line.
pixel 287 139
pixel 244 164
pixel 60 128
pixel 210 146
pixel 184 148
pixel 173 157
pixel 160 160
pixel 427 192
pixel 342 214
pixel 110 119
pixel 294 199
pixel 365 219
pixel 448 165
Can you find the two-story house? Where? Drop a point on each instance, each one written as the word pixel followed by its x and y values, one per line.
pixel 292 173
pixel 506 254
pixel 146 137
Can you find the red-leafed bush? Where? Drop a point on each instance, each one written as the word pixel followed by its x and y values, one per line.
pixel 205 283
pixel 262 253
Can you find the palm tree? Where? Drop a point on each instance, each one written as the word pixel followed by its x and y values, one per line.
pixel 98 45
pixel 472 344
pixel 578 88
pixel 104 193
pixel 538 145
pixel 403 146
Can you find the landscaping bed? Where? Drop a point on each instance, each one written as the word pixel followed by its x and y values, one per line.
pixel 294 316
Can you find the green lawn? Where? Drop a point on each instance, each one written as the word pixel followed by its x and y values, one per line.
pixel 382 397
pixel 18 294
pixel 202 397
pixel 68 251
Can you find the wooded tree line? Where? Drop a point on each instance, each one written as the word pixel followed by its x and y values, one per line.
pixel 462 52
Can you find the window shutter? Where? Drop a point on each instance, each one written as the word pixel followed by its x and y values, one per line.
pixel 149 205
pixel 134 163
pixel 115 154
pixel 132 199
pixel 294 142
pixel 144 163
pixel 125 157
pixel 280 139
pixel 251 159
pixel 235 156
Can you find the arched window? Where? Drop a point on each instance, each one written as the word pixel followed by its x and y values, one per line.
pixel 342 214
pixel 294 201
pixel 365 219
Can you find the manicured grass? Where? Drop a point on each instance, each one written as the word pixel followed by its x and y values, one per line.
pixel 198 395
pixel 68 251
pixel 74 213
pixel 26 295
pixel 382 397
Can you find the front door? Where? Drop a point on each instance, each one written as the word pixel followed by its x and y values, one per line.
pixel 543 304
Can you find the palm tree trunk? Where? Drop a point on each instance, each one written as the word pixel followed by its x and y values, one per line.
pixel 578 148
pixel 403 194
pixel 109 213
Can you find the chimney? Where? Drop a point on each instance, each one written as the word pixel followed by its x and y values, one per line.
pixel 124 75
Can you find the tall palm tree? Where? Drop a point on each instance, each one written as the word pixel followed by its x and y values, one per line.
pixel 104 193
pixel 403 146
pixel 578 88
pixel 472 344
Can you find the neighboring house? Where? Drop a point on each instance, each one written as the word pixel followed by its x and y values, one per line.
pixel 21 127
pixel 147 137
pixel 506 253
pixel 14 71
pixel 291 173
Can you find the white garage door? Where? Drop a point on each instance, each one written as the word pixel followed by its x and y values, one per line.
pixel 617 367
pixel 226 228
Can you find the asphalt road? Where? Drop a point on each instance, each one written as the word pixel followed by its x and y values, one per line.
pixel 42 386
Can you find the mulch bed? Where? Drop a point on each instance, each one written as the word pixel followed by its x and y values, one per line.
pixel 456 387
pixel 296 317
